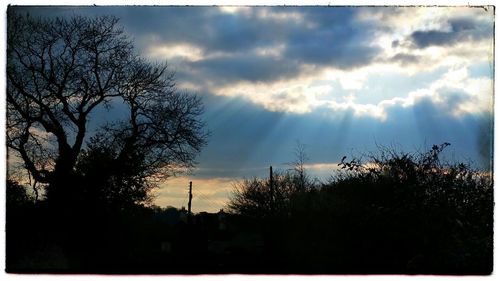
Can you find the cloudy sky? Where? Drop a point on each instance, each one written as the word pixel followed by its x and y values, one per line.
pixel 340 80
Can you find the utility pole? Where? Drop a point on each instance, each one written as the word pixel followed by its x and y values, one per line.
pixel 271 187
pixel 189 202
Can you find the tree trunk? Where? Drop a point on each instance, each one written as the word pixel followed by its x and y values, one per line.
pixel 63 189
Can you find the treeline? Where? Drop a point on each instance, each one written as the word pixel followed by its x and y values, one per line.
pixel 389 212
pixel 392 212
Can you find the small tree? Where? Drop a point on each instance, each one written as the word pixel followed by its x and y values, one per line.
pixel 299 173
pixel 254 198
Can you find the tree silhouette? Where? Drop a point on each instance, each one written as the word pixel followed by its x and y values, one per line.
pixel 301 178
pixel 256 198
pixel 59 71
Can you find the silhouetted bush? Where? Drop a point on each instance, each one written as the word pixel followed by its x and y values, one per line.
pixel 393 212
pixel 256 198
pixel 412 213
pixel 16 194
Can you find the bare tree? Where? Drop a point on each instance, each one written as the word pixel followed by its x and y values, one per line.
pixel 301 178
pixel 60 70
pixel 254 197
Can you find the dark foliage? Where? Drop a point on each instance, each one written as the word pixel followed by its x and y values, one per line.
pixel 16 195
pixel 106 180
pixel 411 213
pixel 257 199
pixel 395 213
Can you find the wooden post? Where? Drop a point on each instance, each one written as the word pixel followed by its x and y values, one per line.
pixel 190 197
pixel 271 187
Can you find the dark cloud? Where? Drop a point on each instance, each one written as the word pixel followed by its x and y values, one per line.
pixel 206 27
pixel 327 36
pixel 405 59
pixel 336 39
pixel 462 24
pixel 451 99
pixel 425 39
pixel 462 30
pixel 246 67
pixel 320 18
pixel 330 50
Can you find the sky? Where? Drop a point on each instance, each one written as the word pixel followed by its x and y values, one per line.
pixel 339 80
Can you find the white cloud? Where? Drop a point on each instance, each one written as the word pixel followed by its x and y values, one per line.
pixel 352 80
pixel 297 96
pixel 270 51
pixel 187 52
pixel 473 95
pixel 302 96
pixel 233 9
pixel 284 16
pixel 322 167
